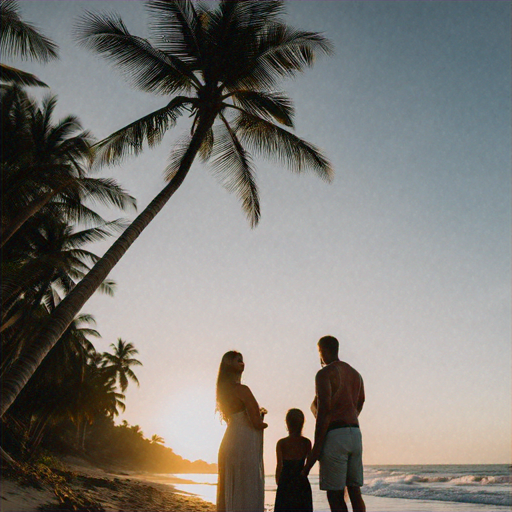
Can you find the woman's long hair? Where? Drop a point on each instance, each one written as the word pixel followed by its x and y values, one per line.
pixel 225 380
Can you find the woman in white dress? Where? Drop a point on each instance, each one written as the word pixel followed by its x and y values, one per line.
pixel 241 482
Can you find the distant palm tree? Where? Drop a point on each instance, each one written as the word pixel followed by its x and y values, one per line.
pixel 224 64
pixel 120 361
pixel 155 439
pixel 19 38
pixel 92 397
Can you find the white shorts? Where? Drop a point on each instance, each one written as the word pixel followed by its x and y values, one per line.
pixel 341 461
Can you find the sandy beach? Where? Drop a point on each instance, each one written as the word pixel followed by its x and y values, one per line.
pixel 79 486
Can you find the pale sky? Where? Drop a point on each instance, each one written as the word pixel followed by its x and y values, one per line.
pixel 405 257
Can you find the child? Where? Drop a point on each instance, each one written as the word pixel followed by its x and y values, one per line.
pixel 293 489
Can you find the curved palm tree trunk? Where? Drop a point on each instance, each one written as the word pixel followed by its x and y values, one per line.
pixel 21 371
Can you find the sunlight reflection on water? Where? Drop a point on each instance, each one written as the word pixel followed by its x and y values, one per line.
pixel 205 487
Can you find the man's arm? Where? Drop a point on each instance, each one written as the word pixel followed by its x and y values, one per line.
pixel 360 398
pixel 314 408
pixel 323 416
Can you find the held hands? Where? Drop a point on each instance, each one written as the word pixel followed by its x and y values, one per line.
pixel 310 462
pixel 305 471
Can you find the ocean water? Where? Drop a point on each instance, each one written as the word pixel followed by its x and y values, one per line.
pixel 443 488
pixel 488 485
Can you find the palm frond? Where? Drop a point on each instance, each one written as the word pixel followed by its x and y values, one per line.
pixel 238 22
pixel 73 211
pixel 143 65
pixel 85 331
pixel 255 13
pixel 84 318
pixel 205 150
pixel 51 299
pixel 46 111
pixel 233 166
pixel 150 128
pixel 12 75
pixel 123 381
pixel 108 358
pixel 64 136
pixel 273 141
pixel 78 258
pixel 107 191
pixel 133 362
pixel 79 151
pixel 270 106
pixel 176 28
pixel 179 149
pixel 19 38
pixel 108 287
pixel 95 234
pixel 281 52
pixel 66 281
pixel 285 48
pixel 132 376
pixel 119 403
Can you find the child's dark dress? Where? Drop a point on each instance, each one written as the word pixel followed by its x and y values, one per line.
pixel 293 491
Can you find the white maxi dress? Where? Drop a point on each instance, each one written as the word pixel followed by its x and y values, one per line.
pixel 241 482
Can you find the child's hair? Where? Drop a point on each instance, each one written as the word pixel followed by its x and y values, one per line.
pixel 295 421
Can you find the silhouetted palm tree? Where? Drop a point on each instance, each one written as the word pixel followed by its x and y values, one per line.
pixel 45 191
pixel 90 396
pixel 19 38
pixel 221 65
pixel 156 439
pixel 56 257
pixel 45 165
pixel 55 391
pixel 120 361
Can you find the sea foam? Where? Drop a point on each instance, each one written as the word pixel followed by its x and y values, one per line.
pixel 440 484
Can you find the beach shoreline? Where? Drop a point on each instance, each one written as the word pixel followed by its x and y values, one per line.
pixel 79 485
pixel 108 488
pixel 409 488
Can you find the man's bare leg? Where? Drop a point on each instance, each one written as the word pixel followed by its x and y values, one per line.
pixel 356 499
pixel 337 501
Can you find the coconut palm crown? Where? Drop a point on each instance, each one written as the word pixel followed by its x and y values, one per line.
pixel 121 360
pixel 220 65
